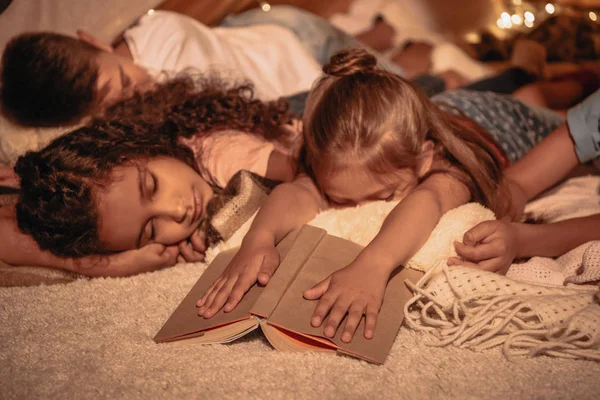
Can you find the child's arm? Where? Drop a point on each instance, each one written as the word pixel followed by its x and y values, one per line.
pixel 17 248
pixel 493 245
pixel 544 166
pixel 359 288
pixel 288 207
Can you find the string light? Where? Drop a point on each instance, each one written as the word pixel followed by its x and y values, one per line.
pixel 529 17
pixel 520 15
pixel 264 5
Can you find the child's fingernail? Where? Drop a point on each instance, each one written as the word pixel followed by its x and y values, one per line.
pixel 346 337
pixel 315 321
pixel 369 334
pixel 329 331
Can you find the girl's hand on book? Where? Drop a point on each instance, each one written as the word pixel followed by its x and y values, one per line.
pixel 253 262
pixel 490 245
pixel 355 290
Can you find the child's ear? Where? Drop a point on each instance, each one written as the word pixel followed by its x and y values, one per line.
pixel 425 158
pixel 90 39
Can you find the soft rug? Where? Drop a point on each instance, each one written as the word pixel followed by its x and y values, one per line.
pixel 92 339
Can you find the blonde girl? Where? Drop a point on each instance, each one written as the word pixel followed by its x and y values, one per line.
pixel 369 135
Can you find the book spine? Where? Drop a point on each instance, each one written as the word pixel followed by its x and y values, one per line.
pixel 301 250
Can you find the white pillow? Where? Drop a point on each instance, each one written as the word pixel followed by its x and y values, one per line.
pixel 16 140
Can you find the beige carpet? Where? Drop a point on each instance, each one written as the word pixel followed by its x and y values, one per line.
pixel 92 339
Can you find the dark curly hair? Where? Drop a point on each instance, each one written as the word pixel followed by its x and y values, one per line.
pixel 194 104
pixel 48 79
pixel 59 183
pixel 57 204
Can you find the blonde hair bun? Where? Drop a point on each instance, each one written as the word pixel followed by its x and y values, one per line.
pixel 349 62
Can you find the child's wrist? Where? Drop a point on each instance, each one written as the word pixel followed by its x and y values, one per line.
pixel 377 260
pixel 519 230
pixel 259 237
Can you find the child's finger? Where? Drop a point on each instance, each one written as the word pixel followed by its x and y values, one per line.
pixel 220 299
pixel 211 294
pixel 370 321
pixel 336 315
pixel 169 254
pixel 354 316
pixel 454 261
pixel 479 232
pixel 186 250
pixel 198 241
pixel 322 309
pixel 476 254
pixel 243 284
pixel 493 265
pixel 318 290
pixel 204 297
pixel 464 263
pixel 267 269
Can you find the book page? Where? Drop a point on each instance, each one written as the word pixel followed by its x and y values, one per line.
pixel 294 312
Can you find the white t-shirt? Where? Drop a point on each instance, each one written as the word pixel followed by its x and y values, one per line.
pixel 270 56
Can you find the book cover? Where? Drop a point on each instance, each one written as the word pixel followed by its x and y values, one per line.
pixel 307 257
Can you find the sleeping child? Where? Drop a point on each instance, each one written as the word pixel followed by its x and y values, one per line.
pixel 49 79
pixel 141 177
pixel 369 135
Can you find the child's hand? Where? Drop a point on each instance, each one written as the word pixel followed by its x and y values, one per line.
pixel 148 258
pixel 490 245
pixel 194 248
pixel 353 290
pixel 256 260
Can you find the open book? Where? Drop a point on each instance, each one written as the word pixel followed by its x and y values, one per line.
pixel 307 257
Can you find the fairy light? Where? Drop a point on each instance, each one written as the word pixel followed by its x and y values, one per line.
pixel 550 8
pixel 150 11
pixel 516 19
pixel 518 2
pixel 506 19
pixel 528 23
pixel 529 17
pixel 264 5
pixel 593 16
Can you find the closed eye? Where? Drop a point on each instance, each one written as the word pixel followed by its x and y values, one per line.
pixel 148 186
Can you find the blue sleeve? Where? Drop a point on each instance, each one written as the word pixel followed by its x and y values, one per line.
pixel 583 121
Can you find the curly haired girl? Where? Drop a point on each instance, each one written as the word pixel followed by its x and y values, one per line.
pixel 141 176
pixel 369 135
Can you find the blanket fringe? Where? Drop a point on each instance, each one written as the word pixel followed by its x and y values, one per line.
pixel 483 321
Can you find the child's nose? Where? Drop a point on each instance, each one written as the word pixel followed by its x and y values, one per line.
pixel 178 211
